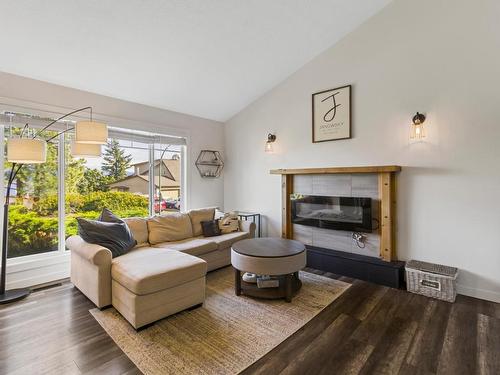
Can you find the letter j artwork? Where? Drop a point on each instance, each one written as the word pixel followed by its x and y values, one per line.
pixel 331 114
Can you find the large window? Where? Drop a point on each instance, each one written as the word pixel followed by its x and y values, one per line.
pixel 137 175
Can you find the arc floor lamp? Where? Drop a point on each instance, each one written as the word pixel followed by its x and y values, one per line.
pixel 21 150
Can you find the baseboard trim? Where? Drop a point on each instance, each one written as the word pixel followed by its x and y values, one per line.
pixel 489 295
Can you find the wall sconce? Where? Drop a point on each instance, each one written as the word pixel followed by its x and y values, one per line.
pixel 269 144
pixel 417 130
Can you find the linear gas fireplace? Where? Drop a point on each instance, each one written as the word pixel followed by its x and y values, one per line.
pixel 340 213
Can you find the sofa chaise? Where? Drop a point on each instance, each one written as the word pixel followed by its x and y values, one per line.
pixel 163 274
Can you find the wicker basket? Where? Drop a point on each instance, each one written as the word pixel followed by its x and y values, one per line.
pixel 431 280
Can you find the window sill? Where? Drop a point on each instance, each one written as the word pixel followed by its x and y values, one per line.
pixel 37 269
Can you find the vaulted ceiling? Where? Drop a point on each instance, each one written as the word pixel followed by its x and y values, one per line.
pixel 208 58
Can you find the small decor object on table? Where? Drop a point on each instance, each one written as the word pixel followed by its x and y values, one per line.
pixel 331 114
pixel 280 258
pixel 209 163
pixel 255 219
pixel 249 278
pixel 432 280
pixel 266 281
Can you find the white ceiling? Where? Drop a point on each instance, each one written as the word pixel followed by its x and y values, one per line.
pixel 209 58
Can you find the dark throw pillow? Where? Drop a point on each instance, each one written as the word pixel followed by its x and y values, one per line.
pixel 108 231
pixel 210 228
pixel 109 217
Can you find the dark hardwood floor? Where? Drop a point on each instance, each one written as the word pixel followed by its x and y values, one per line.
pixel 370 329
pixel 52 332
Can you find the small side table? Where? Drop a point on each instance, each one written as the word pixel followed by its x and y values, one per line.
pixel 255 219
pixel 278 257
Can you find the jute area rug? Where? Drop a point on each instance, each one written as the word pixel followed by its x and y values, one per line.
pixel 226 335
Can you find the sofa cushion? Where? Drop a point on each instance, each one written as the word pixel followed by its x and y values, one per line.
pixel 199 215
pixel 108 231
pixel 170 227
pixel 139 228
pixel 226 240
pixel 210 228
pixel 229 223
pixel 150 270
pixel 194 246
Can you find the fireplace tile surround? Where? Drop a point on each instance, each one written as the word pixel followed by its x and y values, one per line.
pixel 347 185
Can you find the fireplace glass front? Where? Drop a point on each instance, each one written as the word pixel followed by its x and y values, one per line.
pixel 339 213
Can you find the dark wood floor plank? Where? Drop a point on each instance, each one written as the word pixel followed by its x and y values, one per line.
pixel 276 360
pixel 117 366
pixel 459 354
pixel 407 369
pixel 63 348
pixel 370 303
pixel 488 340
pixel 369 329
pixel 480 306
pixel 374 326
pixel 346 359
pixel 52 330
pixel 54 366
pixel 428 342
pixel 390 351
pixel 310 359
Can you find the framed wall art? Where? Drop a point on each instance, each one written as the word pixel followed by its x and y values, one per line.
pixel 331 114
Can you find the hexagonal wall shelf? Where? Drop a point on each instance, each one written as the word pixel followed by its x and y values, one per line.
pixel 209 164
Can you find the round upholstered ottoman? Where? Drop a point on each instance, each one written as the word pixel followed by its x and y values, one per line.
pixel 278 257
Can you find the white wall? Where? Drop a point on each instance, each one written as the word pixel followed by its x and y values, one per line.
pixel 440 57
pixel 201 133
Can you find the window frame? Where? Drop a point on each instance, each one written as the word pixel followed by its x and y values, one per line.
pixel 31 262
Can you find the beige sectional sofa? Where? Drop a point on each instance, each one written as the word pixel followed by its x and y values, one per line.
pixel 163 274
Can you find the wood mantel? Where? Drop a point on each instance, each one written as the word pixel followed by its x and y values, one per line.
pixel 367 169
pixel 387 195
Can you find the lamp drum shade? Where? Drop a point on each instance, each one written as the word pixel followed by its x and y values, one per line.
pixel 85 150
pixel 91 132
pixel 26 150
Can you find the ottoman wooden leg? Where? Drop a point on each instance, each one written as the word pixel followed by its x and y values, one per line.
pixel 288 287
pixel 237 282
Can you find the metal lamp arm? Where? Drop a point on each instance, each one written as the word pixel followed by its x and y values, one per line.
pixel 58 134
pixel 60 118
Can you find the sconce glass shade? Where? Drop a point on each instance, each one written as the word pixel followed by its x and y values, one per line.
pixel 269 144
pixel 417 129
pixel 91 132
pixel 269 148
pixel 85 150
pixel 26 150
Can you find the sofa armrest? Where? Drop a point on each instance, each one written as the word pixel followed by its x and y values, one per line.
pixel 95 254
pixel 248 226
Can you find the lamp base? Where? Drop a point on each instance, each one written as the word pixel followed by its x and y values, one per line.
pixel 13 295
